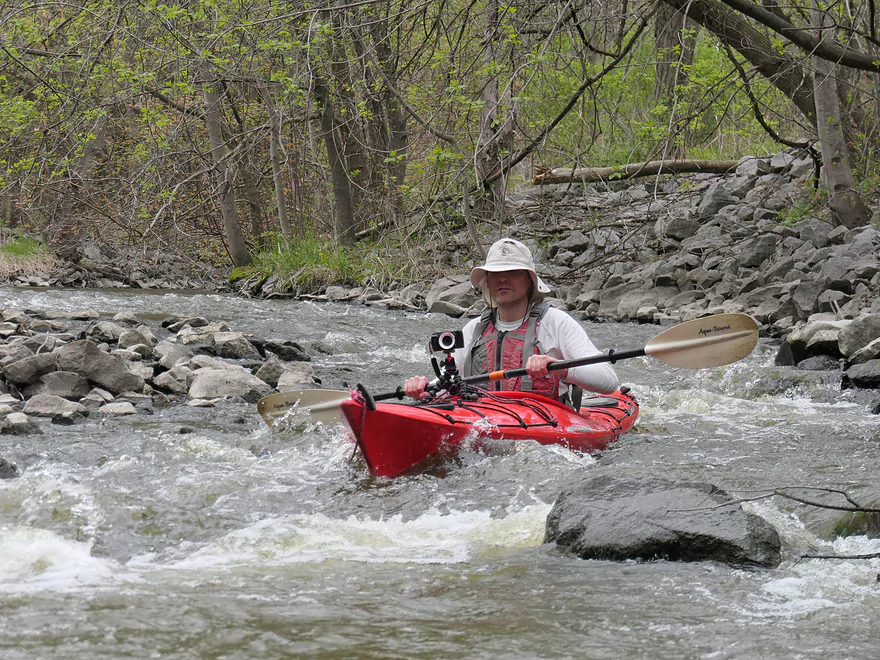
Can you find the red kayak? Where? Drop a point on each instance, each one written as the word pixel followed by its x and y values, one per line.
pixel 396 437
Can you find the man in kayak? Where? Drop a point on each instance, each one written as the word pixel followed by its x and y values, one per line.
pixel 519 330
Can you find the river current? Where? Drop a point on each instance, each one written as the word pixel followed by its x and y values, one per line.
pixel 194 533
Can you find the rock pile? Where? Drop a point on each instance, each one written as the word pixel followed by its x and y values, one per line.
pixel 65 366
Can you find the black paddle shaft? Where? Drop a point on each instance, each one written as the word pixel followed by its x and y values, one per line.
pixel 612 356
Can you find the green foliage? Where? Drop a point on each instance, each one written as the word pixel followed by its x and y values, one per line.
pixel 23 247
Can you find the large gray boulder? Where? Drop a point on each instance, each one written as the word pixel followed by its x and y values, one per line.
pixel 102 369
pixel 50 405
pixel 451 295
pixel 220 383
pixel 29 369
pixel 858 334
pixel 66 384
pixel 643 516
pixel 865 375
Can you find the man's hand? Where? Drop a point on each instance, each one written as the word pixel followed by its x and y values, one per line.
pixel 415 387
pixel 537 367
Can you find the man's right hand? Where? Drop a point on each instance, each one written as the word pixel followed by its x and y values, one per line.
pixel 415 387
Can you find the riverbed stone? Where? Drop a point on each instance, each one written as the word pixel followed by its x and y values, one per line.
pixel 297 376
pixel 869 352
pixel 235 346
pixel 644 516
pixel 865 375
pixel 49 405
pixel 29 369
pixel 8 469
pixel 224 383
pixel 858 334
pixel 286 350
pixel 271 370
pixel 134 336
pixel 66 384
pixel 105 331
pixel 175 380
pixel 102 369
pixel 17 423
pixel 118 409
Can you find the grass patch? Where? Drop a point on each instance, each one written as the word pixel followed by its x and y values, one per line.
pixel 22 247
pixel 311 263
pixel 25 256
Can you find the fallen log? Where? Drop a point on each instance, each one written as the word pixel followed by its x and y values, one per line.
pixel 632 170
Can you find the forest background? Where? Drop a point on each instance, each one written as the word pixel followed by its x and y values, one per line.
pixel 336 141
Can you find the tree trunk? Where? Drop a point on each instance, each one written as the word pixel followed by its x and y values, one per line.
pixel 250 183
pixel 675 53
pixel 238 251
pixel 344 204
pixel 847 207
pixel 495 135
pixel 275 159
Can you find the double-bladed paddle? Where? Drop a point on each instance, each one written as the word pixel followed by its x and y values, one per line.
pixel 711 341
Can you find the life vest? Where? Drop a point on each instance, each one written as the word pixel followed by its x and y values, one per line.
pixel 500 351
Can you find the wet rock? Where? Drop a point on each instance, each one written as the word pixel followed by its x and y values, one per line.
pixel 235 346
pixel 271 370
pixel 49 405
pixel 858 334
pixel 287 351
pixel 865 375
pixel 297 376
pixel 8 470
pixel 643 516
pixel 29 369
pixel 66 384
pixel 819 363
pixel 118 409
pixel 220 383
pixel 17 424
pixel 104 370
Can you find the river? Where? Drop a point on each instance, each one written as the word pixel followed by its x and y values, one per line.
pixel 194 533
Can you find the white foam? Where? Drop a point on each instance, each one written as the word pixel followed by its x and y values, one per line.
pixel 38 559
pixel 432 538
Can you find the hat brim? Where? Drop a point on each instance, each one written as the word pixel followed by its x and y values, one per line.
pixel 478 276
pixel 478 281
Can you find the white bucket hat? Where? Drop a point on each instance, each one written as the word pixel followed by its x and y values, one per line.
pixel 508 254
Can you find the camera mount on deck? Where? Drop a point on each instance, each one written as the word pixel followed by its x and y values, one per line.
pixel 447 373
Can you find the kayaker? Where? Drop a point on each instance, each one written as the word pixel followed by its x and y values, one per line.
pixel 518 323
